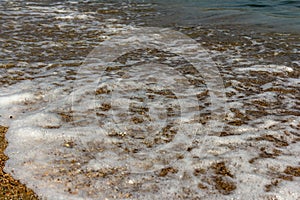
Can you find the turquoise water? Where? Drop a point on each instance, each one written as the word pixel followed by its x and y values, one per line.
pixel 278 15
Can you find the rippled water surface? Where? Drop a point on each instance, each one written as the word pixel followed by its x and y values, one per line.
pixel 205 109
pixel 266 14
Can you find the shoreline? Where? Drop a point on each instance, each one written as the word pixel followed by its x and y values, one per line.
pixel 10 187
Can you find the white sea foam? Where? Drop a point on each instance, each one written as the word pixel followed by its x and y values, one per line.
pixel 41 148
pixel 75 16
pixel 15 98
pixel 268 68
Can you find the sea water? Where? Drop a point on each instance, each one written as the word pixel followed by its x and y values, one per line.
pixel 279 15
pixel 152 99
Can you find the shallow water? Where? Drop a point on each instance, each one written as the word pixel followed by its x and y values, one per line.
pixel 208 110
